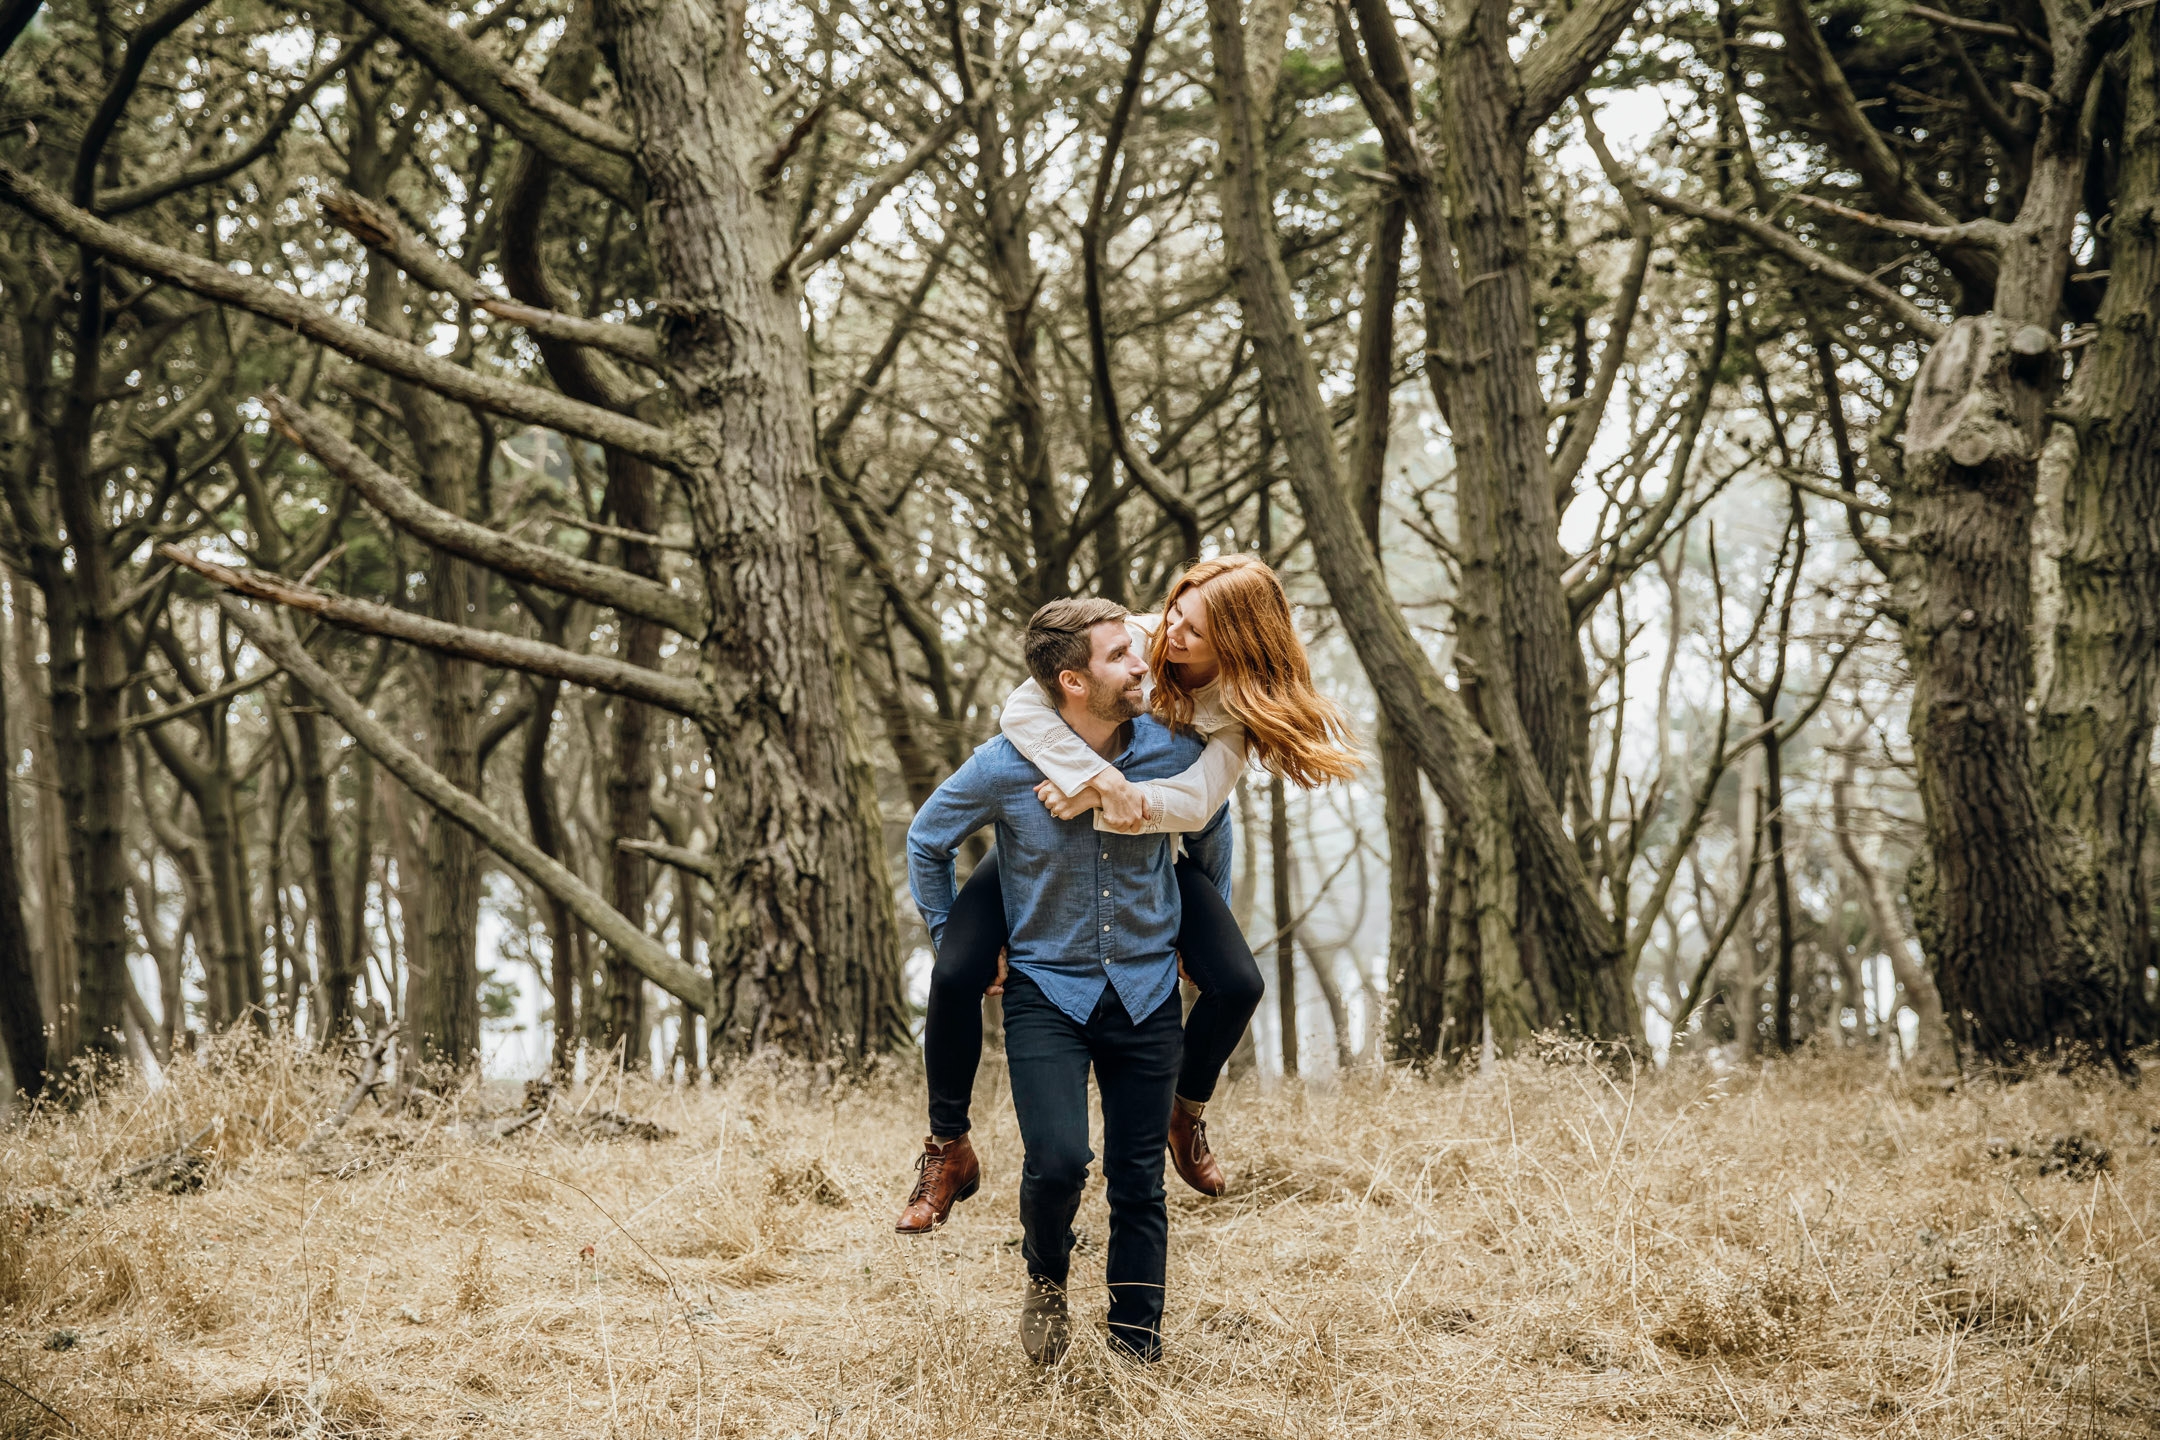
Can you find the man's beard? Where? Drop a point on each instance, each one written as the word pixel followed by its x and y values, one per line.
pixel 1111 703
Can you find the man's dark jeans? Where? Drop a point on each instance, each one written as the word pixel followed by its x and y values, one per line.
pixel 1136 1069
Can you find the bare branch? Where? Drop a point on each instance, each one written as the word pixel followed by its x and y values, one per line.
pixel 1975 27
pixel 1985 234
pixel 593 151
pixel 489 647
pixel 1559 64
pixel 200 702
pixel 697 862
pixel 120 202
pixel 399 358
pixel 850 225
pixel 1583 432
pixel 1813 486
pixel 615 928
pixel 375 227
pixel 505 555
pixel 1791 248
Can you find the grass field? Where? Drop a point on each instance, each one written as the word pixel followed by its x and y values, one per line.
pixel 1549 1249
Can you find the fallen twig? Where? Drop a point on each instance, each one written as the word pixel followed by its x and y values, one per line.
pixel 370 1076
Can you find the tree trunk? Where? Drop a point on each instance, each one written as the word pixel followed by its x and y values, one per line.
pixel 335 956
pixel 1781 1023
pixel 442 1011
pixel 801 843
pixel 101 899
pixel 2011 956
pixel 1415 967
pixel 51 884
pixel 22 1018
pixel 1337 1008
pixel 443 972
pixel 1286 1006
pixel 540 819
pixel 630 777
pixel 2097 664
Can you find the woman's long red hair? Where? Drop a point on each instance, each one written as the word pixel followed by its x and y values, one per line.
pixel 1264 677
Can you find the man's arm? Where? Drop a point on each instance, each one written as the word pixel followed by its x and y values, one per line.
pixel 1211 849
pixel 962 805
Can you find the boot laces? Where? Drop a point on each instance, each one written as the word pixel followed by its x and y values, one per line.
pixel 932 1165
pixel 1199 1138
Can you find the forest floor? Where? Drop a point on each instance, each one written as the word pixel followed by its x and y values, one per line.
pixel 1548 1249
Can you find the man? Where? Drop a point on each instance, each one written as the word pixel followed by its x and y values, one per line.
pixel 1092 978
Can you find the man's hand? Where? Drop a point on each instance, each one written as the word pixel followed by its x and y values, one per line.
pixel 1124 810
pixel 1066 807
pixel 997 986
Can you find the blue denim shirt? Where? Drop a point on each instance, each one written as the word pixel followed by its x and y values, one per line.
pixel 1084 907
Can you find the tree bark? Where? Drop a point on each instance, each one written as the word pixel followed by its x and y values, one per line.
pixel 337 958
pixel 442 1008
pixel 811 908
pixel 1286 988
pixel 22 1018
pixel 2097 664
pixel 1998 916
pixel 101 898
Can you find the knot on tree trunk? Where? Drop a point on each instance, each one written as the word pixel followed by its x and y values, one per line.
pixel 1965 407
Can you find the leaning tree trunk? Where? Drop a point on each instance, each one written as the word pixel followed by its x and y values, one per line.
pixel 801 852
pixel 1416 965
pixel 1553 960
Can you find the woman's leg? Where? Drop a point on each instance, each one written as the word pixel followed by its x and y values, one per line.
pixel 966 966
pixel 1221 965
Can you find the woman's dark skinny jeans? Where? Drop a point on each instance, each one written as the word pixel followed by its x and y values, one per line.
pixel 1216 957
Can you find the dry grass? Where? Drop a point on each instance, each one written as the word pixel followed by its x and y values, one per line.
pixel 1550 1249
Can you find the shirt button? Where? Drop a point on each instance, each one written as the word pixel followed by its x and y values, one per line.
pixel 1106 894
pixel 1106 927
pixel 1106 854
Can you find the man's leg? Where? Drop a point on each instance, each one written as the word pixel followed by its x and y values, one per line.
pixel 1047 1055
pixel 1136 1068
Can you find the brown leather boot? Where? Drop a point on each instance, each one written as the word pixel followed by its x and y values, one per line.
pixel 950 1173
pixel 1196 1164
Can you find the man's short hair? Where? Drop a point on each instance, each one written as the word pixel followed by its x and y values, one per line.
pixel 1060 637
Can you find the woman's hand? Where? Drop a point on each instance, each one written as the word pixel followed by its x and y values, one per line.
pixel 997 986
pixel 1124 809
pixel 1066 807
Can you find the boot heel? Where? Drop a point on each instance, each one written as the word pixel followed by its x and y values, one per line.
pixel 969 1193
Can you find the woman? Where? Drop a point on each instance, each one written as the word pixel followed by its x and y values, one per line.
pixel 1225 661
